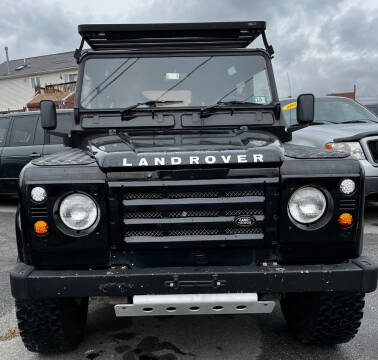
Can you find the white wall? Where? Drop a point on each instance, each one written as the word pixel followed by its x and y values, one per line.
pixel 15 93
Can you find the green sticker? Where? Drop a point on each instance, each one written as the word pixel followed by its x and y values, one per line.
pixel 259 100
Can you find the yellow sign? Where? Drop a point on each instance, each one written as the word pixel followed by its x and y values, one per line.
pixel 289 106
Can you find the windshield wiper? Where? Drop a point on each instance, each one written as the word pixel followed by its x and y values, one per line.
pixel 206 111
pixel 318 123
pixel 150 103
pixel 323 122
pixel 354 122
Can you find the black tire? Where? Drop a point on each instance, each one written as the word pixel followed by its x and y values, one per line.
pixel 323 318
pixel 52 325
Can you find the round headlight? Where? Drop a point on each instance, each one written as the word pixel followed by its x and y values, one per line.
pixel 307 205
pixel 78 211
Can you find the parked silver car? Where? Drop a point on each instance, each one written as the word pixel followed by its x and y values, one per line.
pixel 344 125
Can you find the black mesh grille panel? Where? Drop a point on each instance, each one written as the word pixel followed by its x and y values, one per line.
pixel 153 214
pixel 193 211
pixel 142 195
pixel 194 232
pixel 149 214
pixel 240 193
pixel 166 194
pixel 238 230
pixel 195 194
pixel 144 233
pixel 239 212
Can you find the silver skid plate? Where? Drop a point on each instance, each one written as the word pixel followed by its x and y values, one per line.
pixel 194 304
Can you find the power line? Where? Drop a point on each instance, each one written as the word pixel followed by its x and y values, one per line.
pixel 181 81
pixel 111 82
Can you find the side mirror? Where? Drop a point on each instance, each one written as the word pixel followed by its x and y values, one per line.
pixel 48 114
pixel 305 109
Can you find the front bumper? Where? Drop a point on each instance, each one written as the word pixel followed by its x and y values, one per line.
pixel 355 275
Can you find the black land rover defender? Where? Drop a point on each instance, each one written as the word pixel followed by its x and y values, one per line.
pixel 179 196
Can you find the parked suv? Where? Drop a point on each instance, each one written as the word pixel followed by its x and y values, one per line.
pixel 181 196
pixel 340 124
pixel 23 139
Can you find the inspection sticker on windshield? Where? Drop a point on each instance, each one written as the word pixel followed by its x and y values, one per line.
pixel 231 71
pixel 259 100
pixel 172 76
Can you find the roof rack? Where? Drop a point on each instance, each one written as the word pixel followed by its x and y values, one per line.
pixel 171 36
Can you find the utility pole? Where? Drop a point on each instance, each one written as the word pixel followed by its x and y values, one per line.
pixel 289 82
pixel 6 54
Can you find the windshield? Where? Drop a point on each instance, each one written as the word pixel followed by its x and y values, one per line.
pixel 116 83
pixel 331 111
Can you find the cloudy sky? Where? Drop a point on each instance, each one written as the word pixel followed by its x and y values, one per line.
pixel 322 46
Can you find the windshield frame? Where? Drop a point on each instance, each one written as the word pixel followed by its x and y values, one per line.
pixel 170 53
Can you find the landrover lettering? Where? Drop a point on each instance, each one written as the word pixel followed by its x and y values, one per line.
pixel 194 160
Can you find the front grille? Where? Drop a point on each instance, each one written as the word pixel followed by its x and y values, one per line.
pixel 251 230
pixel 193 231
pixel 167 194
pixel 373 148
pixel 153 214
pixel 144 233
pixel 238 212
pixel 193 210
pixel 187 194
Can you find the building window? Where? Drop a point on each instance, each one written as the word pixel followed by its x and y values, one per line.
pixel 70 77
pixel 35 81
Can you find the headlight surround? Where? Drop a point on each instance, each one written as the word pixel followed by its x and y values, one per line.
pixel 352 148
pixel 307 205
pixel 78 211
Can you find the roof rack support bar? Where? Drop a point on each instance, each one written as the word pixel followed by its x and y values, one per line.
pixel 268 48
pixel 77 52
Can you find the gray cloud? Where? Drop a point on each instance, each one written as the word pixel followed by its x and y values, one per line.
pixel 325 46
pixel 29 29
pixel 355 31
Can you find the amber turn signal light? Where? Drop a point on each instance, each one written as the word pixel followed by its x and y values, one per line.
pixel 41 227
pixel 345 220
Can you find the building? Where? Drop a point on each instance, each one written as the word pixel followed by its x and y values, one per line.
pixel 350 95
pixel 62 94
pixel 29 80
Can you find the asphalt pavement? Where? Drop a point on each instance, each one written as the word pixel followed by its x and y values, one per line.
pixel 218 337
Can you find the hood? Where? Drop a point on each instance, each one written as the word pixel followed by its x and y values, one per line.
pixel 213 149
pixel 319 135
